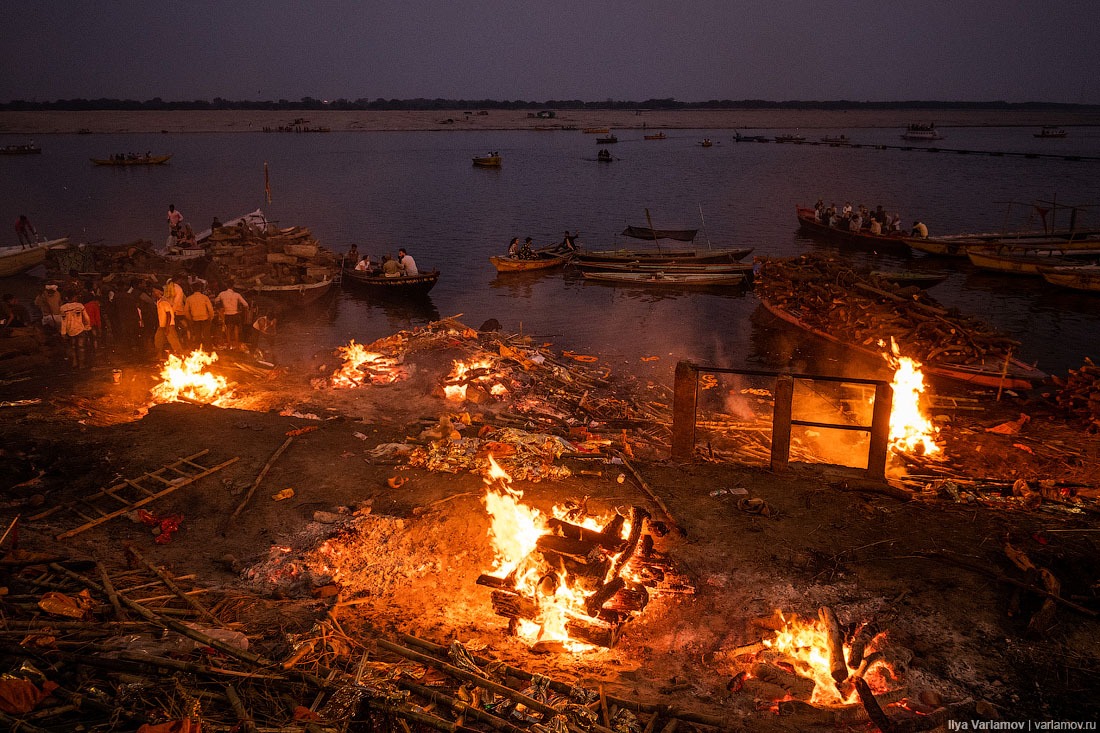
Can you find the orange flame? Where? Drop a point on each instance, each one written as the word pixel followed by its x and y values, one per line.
pixel 361 366
pixel 910 430
pixel 457 392
pixel 187 378
pixel 514 532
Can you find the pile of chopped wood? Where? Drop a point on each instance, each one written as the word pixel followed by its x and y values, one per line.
pixel 831 296
pixel 271 256
pixel 1078 393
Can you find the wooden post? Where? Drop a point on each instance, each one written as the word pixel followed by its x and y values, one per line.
pixel 684 396
pixel 880 431
pixel 781 422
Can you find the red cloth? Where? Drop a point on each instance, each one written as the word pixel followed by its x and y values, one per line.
pixel 92 309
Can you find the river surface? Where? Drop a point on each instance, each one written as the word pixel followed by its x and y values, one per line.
pixel 418 190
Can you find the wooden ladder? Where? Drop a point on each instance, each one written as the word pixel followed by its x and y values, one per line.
pixel 130 494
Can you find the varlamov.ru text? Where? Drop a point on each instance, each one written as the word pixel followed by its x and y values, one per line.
pixel 1025 725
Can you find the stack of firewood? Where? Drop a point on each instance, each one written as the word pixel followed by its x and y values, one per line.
pixel 829 295
pixel 1079 392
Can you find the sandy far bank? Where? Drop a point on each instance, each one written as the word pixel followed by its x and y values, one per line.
pixel 42 123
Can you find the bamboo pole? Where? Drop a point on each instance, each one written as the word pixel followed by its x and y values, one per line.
pixel 260 477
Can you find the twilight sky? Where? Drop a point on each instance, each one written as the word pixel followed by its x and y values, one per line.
pixel 692 50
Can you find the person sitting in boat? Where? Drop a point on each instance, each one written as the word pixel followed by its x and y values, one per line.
pixel 390 268
pixel 407 263
pixel 855 223
pixel 919 230
pixel 525 252
pixel 895 223
pixel 567 243
pixel 363 265
pixel 875 227
pixel 513 248
pixel 215 224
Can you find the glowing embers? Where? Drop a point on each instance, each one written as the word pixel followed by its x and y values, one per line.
pixel 473 380
pixel 188 379
pixel 366 367
pixel 568 582
pixel 813 661
pixel 910 431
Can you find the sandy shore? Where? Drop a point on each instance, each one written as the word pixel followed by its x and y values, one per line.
pixel 41 123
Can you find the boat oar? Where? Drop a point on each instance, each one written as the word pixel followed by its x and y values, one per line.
pixel 704 223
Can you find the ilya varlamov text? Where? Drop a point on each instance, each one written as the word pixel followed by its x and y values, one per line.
pixel 1021 725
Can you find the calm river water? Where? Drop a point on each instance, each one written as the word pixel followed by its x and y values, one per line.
pixel 384 190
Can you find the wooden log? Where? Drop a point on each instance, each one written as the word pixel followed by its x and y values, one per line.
pixel 167 580
pixel 837 666
pixel 492 581
pixel 608 538
pixel 652 495
pixel 859 643
pixel 578 550
pixel 595 602
pixel 633 598
pixel 638 517
pixel 513 605
pixel 596 635
pixel 238 707
pixel 794 684
pixel 460 708
pixel 260 477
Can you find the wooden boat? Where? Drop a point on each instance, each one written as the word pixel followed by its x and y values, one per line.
pixel 655 136
pixel 739 138
pixel 706 142
pixel 1010 374
pixel 1023 260
pixel 604 156
pixel 957 245
pixel 136 160
pixel 596 130
pixel 607 140
pixel 403 286
pixel 921 280
pixel 836 139
pixel 541 261
pixel 487 161
pixel 922 131
pixel 656 257
pixel 667 279
pixel 704 268
pixel 790 138
pixel 300 293
pixel 680 235
pixel 1082 277
pixel 14 260
pixel 1050 132
pixel 30 149
pixel 809 224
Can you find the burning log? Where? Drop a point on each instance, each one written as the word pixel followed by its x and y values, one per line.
pixel 792 684
pixel 608 538
pixel 837 667
pixel 513 605
pixel 580 551
pixel 595 602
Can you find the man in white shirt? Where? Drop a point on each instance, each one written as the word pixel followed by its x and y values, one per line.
pixel 232 302
pixel 408 264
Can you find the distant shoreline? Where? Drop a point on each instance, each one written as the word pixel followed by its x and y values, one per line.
pixel 242 121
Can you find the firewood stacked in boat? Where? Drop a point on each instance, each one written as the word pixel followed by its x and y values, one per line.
pixel 829 295
pixel 1078 393
pixel 272 256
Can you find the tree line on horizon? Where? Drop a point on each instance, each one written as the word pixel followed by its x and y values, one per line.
pixel 422 104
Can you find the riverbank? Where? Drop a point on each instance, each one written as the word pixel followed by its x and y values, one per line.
pixel 221 121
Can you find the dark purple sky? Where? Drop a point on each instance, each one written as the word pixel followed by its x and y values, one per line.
pixel 693 50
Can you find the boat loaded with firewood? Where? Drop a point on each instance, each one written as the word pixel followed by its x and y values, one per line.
pixel 662 278
pixel 121 159
pixel 826 297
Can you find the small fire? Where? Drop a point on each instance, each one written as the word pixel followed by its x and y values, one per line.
pixel 459 378
pixel 514 531
pixel 910 431
pixel 187 378
pixel 804 645
pixel 365 367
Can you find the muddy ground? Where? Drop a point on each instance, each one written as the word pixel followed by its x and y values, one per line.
pixel 408 557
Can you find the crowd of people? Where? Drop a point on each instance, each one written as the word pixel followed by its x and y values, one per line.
pixel 862 219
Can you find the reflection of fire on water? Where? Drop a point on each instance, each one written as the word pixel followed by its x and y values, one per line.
pixel 366 367
pixel 910 431
pixel 188 379
pixel 568 582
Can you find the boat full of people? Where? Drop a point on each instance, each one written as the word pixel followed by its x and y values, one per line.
pixel 922 131
pixel 124 159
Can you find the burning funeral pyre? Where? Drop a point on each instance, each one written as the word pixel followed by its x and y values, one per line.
pixel 570 581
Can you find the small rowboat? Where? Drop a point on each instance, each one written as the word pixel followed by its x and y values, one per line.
pixel 1026 260
pixel 1084 277
pixel 30 149
pixel 596 130
pixel 541 261
pixel 679 267
pixel 666 279
pixel 487 161
pixel 403 286
pixel 657 136
pixel 138 160
pixel 658 257
pixel 809 224
pixel 607 140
